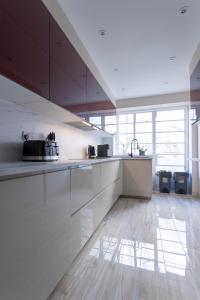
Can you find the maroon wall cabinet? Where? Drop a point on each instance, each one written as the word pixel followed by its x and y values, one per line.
pixel 67 70
pixel 24 47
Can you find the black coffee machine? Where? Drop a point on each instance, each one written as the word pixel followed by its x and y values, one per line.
pixel 102 150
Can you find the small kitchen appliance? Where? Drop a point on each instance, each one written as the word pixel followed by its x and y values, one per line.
pixel 91 151
pixel 102 150
pixel 41 150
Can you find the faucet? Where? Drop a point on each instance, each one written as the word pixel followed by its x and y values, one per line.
pixel 131 154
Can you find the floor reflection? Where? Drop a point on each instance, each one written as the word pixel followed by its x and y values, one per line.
pixel 168 254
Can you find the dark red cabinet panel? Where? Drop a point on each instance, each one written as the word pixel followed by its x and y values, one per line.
pixel 36 53
pixel 67 70
pixel 32 17
pixel 21 57
pixel 95 93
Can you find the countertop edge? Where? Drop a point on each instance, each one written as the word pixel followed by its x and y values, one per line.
pixel 20 169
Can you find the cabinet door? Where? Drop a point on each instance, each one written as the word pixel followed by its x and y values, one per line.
pixel 85 184
pixel 34 232
pixel 67 71
pixel 24 49
pixel 87 219
pixel 110 171
pixel 137 178
pixel 95 93
pixel 32 17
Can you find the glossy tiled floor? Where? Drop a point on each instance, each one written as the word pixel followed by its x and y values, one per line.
pixel 142 250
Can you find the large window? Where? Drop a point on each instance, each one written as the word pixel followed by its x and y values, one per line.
pixel 170 140
pixel 162 133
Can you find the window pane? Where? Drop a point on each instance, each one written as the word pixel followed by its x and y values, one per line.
pixel 125 138
pixel 111 128
pixel 170 168
pixel 147 147
pixel 126 118
pixel 170 126
pixel 144 117
pixel 144 138
pixel 170 115
pixel 125 128
pixel 124 143
pixel 176 160
pixel 174 137
pixel 110 120
pixel 143 127
pixel 170 148
pixel 95 120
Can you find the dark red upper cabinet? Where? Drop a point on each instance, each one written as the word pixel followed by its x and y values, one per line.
pixel 95 93
pixel 24 47
pixel 67 70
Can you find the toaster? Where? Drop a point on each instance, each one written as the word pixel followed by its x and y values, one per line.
pixel 40 150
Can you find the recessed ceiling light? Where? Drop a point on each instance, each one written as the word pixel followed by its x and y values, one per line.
pixel 102 32
pixel 172 58
pixel 166 82
pixel 123 89
pixel 183 9
pixel 116 69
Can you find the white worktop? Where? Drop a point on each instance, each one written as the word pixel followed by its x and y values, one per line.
pixel 23 169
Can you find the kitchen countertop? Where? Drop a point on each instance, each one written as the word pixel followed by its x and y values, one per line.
pixel 22 169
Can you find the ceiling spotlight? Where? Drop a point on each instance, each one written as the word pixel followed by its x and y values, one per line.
pixel 123 89
pixel 172 58
pixel 116 69
pixel 166 82
pixel 183 10
pixel 102 32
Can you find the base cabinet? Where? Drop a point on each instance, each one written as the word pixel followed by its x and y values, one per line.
pixel 86 220
pixel 34 228
pixel 85 184
pixel 45 220
pixel 137 178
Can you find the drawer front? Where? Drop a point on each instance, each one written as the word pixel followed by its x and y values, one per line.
pixel 85 185
pixel 86 220
pixel 110 171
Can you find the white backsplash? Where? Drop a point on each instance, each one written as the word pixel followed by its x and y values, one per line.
pixel 15 118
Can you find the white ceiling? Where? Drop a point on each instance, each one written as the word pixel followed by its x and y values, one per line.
pixel 141 36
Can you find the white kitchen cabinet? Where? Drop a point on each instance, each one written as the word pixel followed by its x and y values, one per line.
pixel 34 233
pixel 85 184
pixel 110 171
pixel 137 178
pixel 85 221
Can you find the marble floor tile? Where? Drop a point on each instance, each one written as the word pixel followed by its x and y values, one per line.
pixel 143 250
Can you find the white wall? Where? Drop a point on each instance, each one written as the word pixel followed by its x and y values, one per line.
pixel 195 59
pixel 16 118
pixel 22 110
pixel 195 129
pixel 154 101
